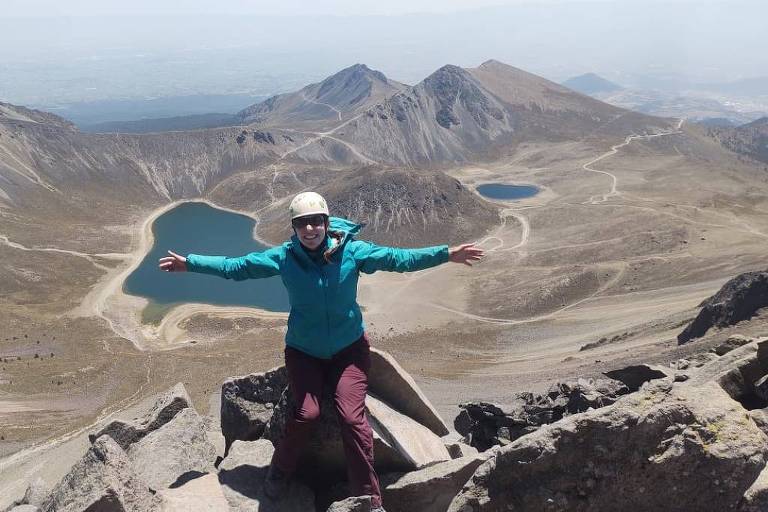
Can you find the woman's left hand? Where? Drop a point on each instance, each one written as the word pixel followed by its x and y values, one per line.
pixel 466 254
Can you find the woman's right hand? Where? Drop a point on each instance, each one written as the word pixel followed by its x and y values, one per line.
pixel 173 263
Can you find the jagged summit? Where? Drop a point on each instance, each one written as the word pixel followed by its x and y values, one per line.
pixel 455 114
pixel 330 100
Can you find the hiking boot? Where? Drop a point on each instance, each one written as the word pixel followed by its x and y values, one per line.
pixel 276 483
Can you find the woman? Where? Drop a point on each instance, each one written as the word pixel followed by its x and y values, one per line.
pixel 320 267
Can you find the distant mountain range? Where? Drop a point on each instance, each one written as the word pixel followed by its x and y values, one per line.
pixel 705 103
pixel 590 83
pixel 165 124
pixel 355 119
pixel 453 115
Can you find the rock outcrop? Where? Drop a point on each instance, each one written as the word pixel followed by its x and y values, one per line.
pixel 125 433
pixel 102 480
pixel 586 445
pixel 247 403
pixel 174 454
pixel 485 425
pixel 737 300
pixel 696 440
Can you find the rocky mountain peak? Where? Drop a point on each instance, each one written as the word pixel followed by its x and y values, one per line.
pixel 452 87
pixel 326 101
pixel 350 85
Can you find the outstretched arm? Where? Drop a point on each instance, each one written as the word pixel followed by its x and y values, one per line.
pixel 251 266
pixel 372 257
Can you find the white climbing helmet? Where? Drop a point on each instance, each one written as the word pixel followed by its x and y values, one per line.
pixel 307 203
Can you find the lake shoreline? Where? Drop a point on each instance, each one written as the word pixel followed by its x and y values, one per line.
pixel 123 312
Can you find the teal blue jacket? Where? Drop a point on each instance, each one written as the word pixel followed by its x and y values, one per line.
pixel 325 316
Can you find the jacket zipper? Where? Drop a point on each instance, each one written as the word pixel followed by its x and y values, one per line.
pixel 324 278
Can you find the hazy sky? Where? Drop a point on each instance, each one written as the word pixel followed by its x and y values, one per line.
pixel 74 50
pixel 266 7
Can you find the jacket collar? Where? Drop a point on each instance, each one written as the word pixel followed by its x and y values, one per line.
pixel 347 227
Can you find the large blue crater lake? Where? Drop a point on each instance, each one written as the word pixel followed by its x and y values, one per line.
pixel 507 192
pixel 200 229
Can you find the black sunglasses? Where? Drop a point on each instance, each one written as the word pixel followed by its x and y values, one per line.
pixel 313 220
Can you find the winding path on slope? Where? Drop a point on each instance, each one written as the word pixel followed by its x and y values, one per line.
pixel 338 112
pixel 615 149
pixel 526 233
pixel 90 257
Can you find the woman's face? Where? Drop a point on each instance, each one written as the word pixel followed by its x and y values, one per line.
pixel 310 229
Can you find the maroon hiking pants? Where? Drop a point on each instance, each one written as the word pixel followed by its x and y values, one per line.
pixel 348 371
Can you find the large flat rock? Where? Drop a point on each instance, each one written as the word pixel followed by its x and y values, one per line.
pixel 430 489
pixel 242 475
pixel 415 442
pixel 392 384
pixel 178 450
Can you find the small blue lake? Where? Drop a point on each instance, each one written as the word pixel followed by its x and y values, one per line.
pixel 506 192
pixel 200 229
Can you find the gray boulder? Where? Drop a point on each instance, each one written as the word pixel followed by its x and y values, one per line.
pixel 485 425
pixel 103 480
pixel 737 300
pixel 174 453
pixel 430 489
pixel 24 508
pixel 735 341
pixel 242 475
pixel 125 433
pixel 393 385
pixel 247 404
pixel 353 504
pixel 415 442
pixel 620 457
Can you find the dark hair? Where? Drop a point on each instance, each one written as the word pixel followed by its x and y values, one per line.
pixel 336 238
